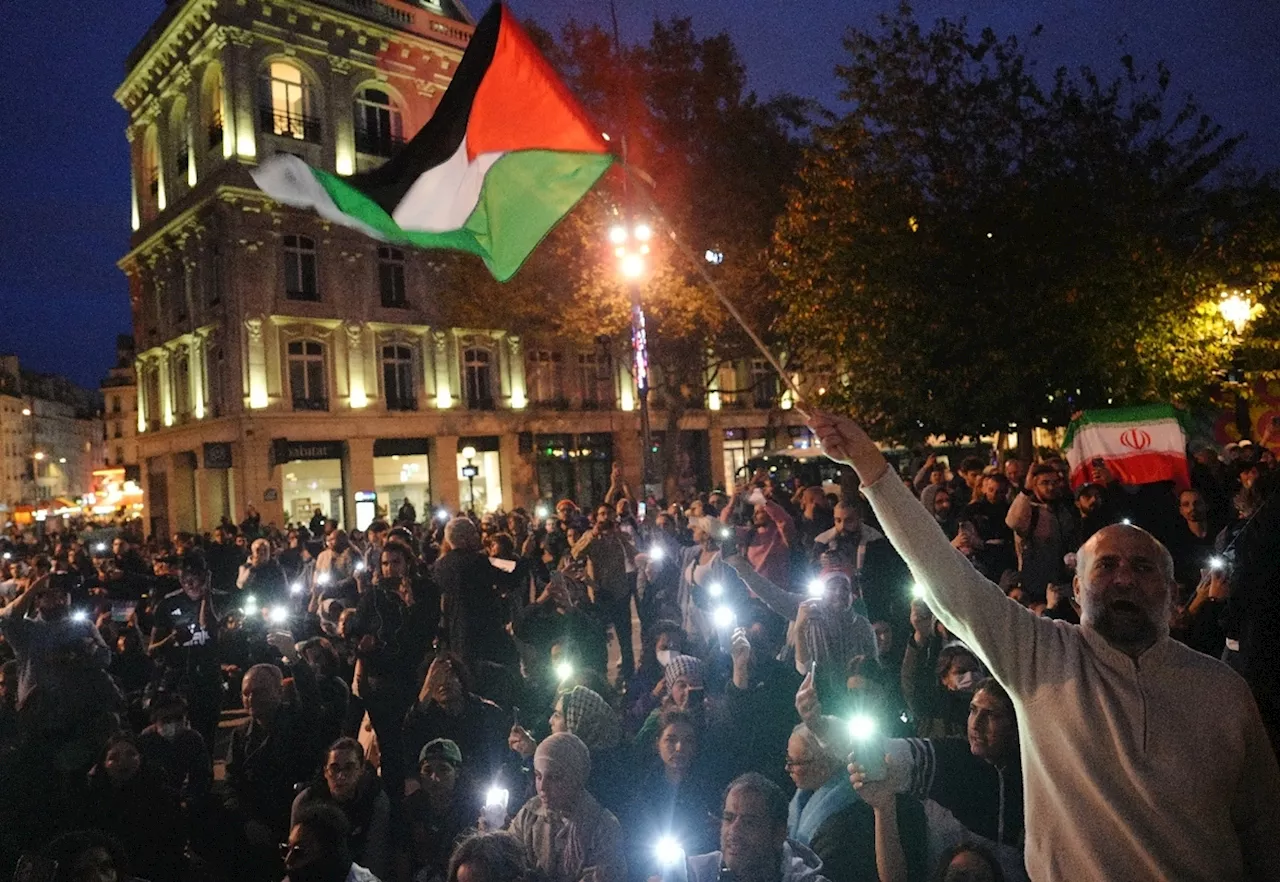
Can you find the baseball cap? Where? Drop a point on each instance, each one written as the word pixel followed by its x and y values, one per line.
pixel 441 748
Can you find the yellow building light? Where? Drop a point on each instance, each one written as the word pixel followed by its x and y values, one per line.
pixel 518 399
pixel 713 400
pixel 345 158
pixel 358 397
pixel 245 146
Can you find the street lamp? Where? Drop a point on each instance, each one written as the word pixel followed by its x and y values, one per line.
pixel 1237 309
pixel 631 247
pixel 469 471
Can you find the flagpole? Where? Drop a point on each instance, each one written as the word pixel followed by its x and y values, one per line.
pixel 715 287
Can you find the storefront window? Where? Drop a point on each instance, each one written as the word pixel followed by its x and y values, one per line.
pixel 400 477
pixel 480 491
pixel 737 450
pixel 311 484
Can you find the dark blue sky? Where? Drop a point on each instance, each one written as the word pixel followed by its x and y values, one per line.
pixel 64 179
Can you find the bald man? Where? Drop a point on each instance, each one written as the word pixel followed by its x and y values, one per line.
pixel 1143 759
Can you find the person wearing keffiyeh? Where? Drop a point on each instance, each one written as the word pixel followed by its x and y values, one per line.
pixel 584 713
pixel 566 834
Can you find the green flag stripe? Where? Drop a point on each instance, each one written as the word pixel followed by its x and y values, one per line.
pixel 524 194
pixel 1141 413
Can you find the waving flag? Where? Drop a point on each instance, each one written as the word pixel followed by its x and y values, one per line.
pixel 507 154
pixel 1138 445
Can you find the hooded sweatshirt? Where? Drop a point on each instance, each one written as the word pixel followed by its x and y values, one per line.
pixel 799 864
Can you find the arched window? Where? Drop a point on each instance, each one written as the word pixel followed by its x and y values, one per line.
pixel 180 139
pixel 300 268
pixel 379 129
pixel 397 378
pixel 181 379
pixel 307 375
pixel 211 107
pixel 286 107
pixel 150 171
pixel 477 378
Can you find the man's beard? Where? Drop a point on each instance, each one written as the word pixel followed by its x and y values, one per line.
pixel 1124 620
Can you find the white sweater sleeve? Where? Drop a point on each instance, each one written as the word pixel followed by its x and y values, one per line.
pixel 1013 642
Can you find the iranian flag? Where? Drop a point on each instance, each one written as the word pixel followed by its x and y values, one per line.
pixel 507 154
pixel 1139 445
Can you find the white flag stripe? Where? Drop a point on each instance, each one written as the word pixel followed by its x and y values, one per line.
pixel 287 179
pixel 443 197
pixel 1108 440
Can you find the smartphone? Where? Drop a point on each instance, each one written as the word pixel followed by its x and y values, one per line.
pixel 515 716
pixel 868 750
pixel 121 610
pixel 641 509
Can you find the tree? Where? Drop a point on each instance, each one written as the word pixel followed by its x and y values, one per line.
pixel 972 248
pixel 719 160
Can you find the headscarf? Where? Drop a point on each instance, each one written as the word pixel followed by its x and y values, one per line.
pixel 566 755
pixel 589 716
pixel 686 666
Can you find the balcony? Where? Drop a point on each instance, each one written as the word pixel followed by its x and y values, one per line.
pixel 382 144
pixel 404 404
pixel 312 403
pixel 285 124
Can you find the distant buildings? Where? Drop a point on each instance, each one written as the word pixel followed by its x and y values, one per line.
pixel 289 364
pixel 51 432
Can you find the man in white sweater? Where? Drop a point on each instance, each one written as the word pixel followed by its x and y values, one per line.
pixel 1142 758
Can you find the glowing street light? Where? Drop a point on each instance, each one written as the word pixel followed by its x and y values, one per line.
pixel 1236 308
pixel 631 248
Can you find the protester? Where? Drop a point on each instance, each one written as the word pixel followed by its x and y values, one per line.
pixel 317 850
pixel 1110 713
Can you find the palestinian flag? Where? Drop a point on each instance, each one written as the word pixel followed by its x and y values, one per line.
pixel 1138 445
pixel 507 154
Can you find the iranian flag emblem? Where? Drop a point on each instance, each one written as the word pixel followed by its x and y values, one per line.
pixel 1138 445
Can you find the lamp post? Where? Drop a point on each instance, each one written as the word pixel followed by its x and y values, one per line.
pixel 1237 309
pixel 631 247
pixel 469 471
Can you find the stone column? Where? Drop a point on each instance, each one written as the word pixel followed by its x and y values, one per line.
pixel 358 473
pixel 443 464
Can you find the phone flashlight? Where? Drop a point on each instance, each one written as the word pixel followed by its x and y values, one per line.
pixel 723 617
pixel 869 749
pixel 79 616
pixel 279 615
pixel 497 797
pixel 442 515
pixel 656 552
pixel 8 555
pixel 360 567
pixel 726 533
pixel 917 591
pixel 101 546
pixel 296 588
pixel 1126 522
pixel 1216 563
pixel 715 589
pixel 817 587
pixel 323 578
pixel 250 607
pixel 541 512
pixel 564 671
pixel 668 852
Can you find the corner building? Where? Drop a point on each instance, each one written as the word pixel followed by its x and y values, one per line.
pixel 291 364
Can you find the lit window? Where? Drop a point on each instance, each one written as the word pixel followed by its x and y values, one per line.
pixel 151 169
pixel 391 277
pixel 286 110
pixel 397 378
pixel 300 268
pixel 211 108
pixel 478 378
pixel 379 129
pixel 306 375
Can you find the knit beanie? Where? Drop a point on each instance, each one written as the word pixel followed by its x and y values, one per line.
pixel 590 717
pixel 566 755
pixel 686 666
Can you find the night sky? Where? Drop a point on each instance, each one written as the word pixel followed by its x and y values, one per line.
pixel 64 178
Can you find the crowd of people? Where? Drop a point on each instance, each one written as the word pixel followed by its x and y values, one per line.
pixel 968 672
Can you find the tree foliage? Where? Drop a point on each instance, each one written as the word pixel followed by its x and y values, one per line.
pixel 974 244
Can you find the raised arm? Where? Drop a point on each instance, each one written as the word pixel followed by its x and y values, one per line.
pixel 782 602
pixel 1007 637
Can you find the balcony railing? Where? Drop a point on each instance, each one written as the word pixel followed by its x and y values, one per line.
pixel 311 403
pixel 289 125
pixel 407 403
pixel 377 143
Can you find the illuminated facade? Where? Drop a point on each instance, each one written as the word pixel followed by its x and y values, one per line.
pixel 50 438
pixel 290 364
